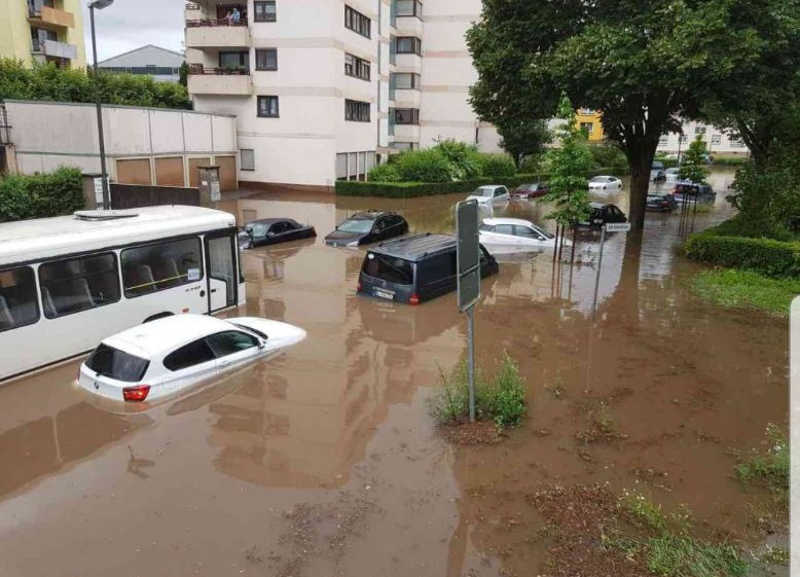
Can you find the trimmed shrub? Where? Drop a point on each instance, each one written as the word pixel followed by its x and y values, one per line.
pixel 42 195
pixel 423 166
pixel 414 189
pixel 464 159
pixel 384 173
pixel 496 165
pixel 770 257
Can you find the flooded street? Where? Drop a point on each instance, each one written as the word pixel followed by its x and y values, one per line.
pixel 325 461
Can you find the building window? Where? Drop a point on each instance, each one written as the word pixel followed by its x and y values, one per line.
pixel 235 61
pixel 408 45
pixel 356 111
pixel 405 115
pixel 77 284
pixel 160 266
pixel 735 141
pixel 716 139
pixel 268 106
pixel 266 58
pixel 684 138
pixel 265 11
pixel 405 81
pixel 356 67
pixel 357 22
pixel 18 303
pixel 587 127
pixel 699 129
pixel 408 8
pixel 247 159
pixel 663 141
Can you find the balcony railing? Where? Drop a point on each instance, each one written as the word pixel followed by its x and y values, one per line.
pixel 220 81
pixel 48 15
pixel 199 69
pixel 216 22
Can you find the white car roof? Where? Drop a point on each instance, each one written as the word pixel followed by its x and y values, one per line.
pixel 496 221
pixel 604 177
pixel 158 337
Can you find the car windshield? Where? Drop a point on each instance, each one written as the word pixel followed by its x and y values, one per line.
pixel 358 225
pixel 544 233
pixel 484 191
pixel 110 362
pixel 252 330
pixel 599 179
pixel 388 268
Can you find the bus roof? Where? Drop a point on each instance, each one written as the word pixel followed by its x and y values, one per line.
pixel 44 238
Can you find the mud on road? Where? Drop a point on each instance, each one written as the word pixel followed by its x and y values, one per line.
pixel 325 461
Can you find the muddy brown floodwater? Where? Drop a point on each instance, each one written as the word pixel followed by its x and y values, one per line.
pixel 324 460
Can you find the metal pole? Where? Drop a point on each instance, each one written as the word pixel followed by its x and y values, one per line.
pixel 103 175
pixel 471 362
pixel 599 266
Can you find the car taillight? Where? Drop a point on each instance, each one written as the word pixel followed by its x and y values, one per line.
pixel 136 394
pixel 413 299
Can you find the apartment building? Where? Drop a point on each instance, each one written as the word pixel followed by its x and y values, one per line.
pixel 325 90
pixel 717 141
pixel 43 31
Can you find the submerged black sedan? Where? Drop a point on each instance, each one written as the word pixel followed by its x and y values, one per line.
pixel 367 227
pixel 272 231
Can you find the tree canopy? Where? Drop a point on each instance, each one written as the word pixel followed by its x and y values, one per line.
pixel 642 64
pixel 46 82
pixel 522 137
pixel 693 166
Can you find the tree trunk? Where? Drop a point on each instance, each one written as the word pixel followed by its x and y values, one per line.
pixel 640 159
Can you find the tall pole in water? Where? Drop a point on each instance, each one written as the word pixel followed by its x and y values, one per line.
pixel 100 4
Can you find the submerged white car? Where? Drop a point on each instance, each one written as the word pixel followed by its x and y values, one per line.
pixel 605 183
pixel 490 194
pixel 168 355
pixel 511 235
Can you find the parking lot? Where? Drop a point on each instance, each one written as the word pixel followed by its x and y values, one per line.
pixel 324 460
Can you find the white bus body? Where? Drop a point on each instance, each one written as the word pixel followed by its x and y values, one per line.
pixel 68 282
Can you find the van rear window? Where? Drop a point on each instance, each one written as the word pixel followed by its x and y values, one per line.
pixel 388 268
pixel 110 362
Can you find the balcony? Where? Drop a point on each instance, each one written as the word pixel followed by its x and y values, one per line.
pixel 405 98
pixel 55 49
pixel 217 33
pixel 406 132
pixel 219 81
pixel 47 17
pixel 408 62
pixel 408 26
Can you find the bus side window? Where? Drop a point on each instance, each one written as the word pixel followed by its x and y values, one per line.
pixel 18 303
pixel 156 267
pixel 76 284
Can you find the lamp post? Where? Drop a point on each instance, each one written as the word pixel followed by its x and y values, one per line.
pixel 99 5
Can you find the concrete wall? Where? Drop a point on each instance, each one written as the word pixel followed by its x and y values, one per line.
pixel 47 135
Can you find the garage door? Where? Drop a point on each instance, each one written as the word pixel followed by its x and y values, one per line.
pixel 135 171
pixel 169 171
pixel 227 173
pixel 194 174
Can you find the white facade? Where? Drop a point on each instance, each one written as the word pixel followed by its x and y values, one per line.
pixel 717 141
pixel 416 92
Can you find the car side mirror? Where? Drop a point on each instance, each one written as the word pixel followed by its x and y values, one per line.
pixel 262 344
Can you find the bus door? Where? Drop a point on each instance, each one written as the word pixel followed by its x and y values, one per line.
pixel 222 277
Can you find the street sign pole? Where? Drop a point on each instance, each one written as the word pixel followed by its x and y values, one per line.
pixel 468 265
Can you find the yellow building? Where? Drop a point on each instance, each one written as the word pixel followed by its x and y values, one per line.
pixel 591 122
pixel 43 30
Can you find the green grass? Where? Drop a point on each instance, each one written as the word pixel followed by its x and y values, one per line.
pixel 770 467
pixel 747 289
pixel 501 400
pixel 668 549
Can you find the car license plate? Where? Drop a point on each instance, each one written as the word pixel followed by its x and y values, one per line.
pixel 384 294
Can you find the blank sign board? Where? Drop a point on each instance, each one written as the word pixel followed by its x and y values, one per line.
pixel 468 254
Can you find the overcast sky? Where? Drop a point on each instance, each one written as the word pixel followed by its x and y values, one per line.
pixel 128 24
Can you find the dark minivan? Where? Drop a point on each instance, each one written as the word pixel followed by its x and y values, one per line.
pixel 415 269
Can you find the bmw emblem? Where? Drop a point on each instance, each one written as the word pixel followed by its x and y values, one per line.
pixel 96 386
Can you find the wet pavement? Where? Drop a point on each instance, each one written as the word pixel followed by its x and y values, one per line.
pixel 324 460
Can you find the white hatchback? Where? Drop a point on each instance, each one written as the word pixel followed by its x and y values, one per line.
pixel 490 194
pixel 511 235
pixel 605 184
pixel 168 355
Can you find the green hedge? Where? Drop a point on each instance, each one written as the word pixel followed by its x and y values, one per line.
pixel 413 189
pixel 770 257
pixel 41 195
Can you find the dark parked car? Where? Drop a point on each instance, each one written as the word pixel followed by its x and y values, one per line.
pixel 534 190
pixel 661 202
pixel 415 269
pixel 600 214
pixel 273 231
pixel 367 227
pixel 691 190
pixel 657 172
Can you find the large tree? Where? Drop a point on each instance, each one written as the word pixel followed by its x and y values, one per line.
pixel 521 137
pixel 643 64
